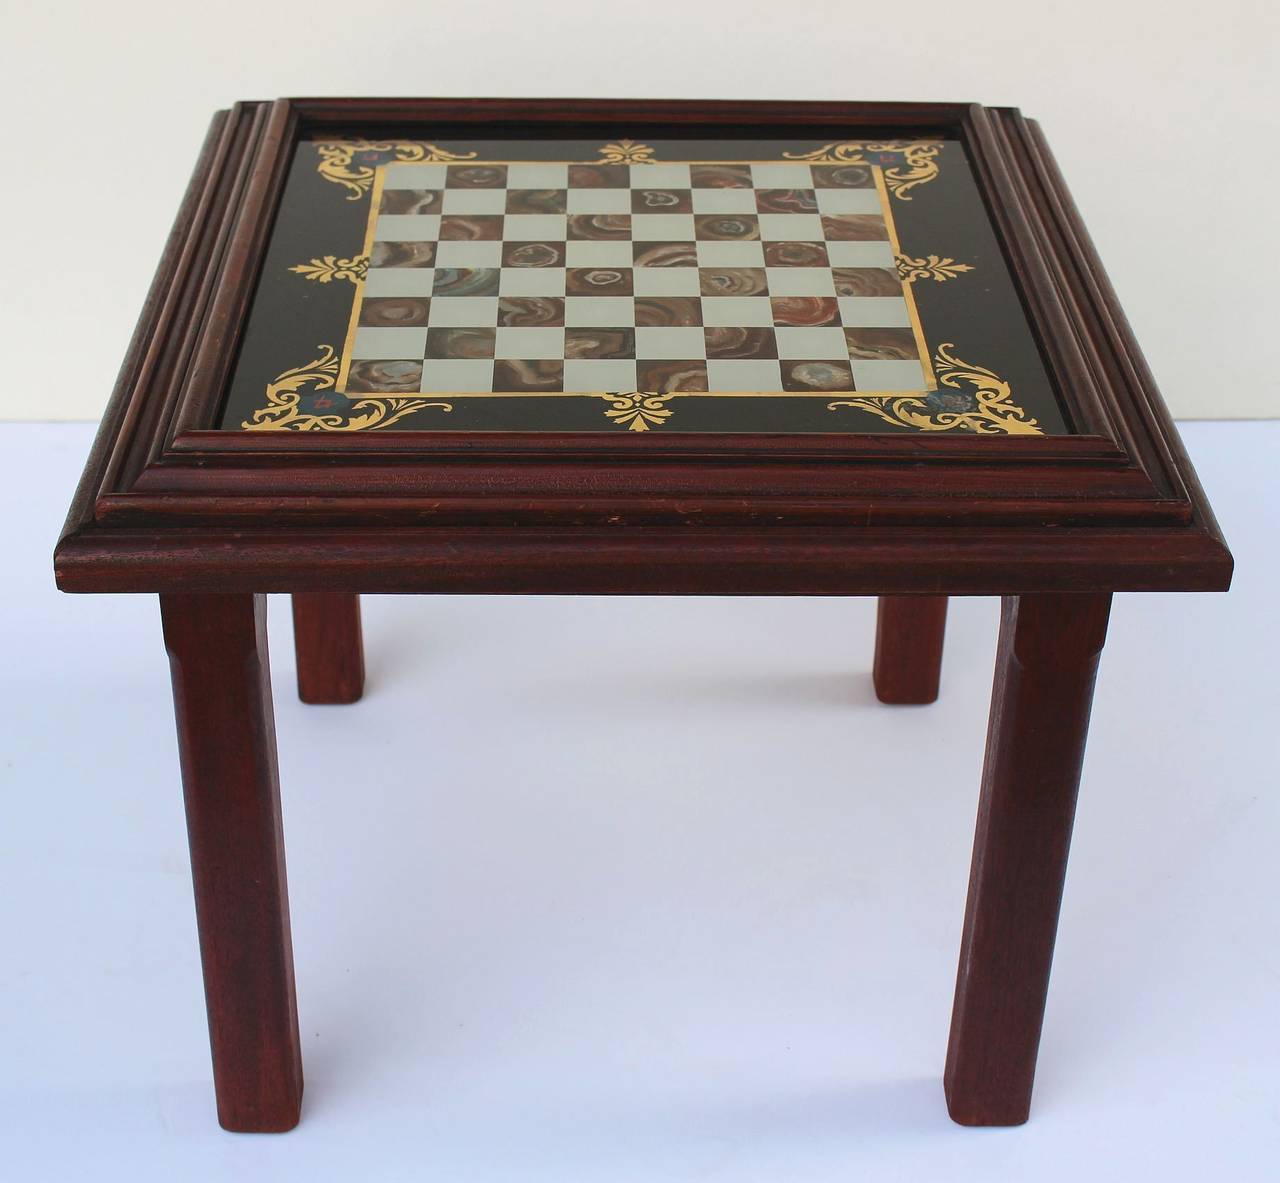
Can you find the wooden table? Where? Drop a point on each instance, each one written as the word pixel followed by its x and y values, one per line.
pixel 630 348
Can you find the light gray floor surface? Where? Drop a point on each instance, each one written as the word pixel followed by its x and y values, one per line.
pixel 641 889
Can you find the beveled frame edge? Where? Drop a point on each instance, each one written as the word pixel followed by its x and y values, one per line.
pixel 148 469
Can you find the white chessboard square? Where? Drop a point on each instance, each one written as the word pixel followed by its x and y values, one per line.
pixel 537 176
pixel 873 312
pixel 730 254
pixel 407 228
pixel 662 227
pixel 474 201
pixel 598 252
pixel 468 253
pixel 660 176
pixel 665 281
pixel 399 281
pixel 531 281
pixel 800 281
pixel 748 376
pixel 670 343
pixel 522 342
pixel 781 176
pixel 888 375
pixel 599 201
pixel 848 201
pixel 791 227
pixel 454 375
pixel 860 254
pixel 724 201
pixel 737 312
pixel 414 176
pixel 599 312
pixel 813 344
pixel 387 344
pixel 599 374
pixel 535 228
pixel 467 312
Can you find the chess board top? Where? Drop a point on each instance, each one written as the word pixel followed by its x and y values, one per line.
pixel 676 285
pixel 633 346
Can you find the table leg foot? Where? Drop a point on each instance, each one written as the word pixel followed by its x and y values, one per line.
pixel 226 741
pixel 908 662
pixel 326 634
pixel 1045 670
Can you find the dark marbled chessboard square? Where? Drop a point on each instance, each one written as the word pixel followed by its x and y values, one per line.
pixel 533 254
pixel 476 176
pixel 599 176
pixel 786 201
pixel 796 254
pixel 466 281
pixel 866 281
pixel 410 201
pixel 598 281
pixel 853 228
pixel 726 227
pixel 537 201
pixel 532 312
pixel 385 377
pixel 402 254
pixel 665 377
pixel 733 281
pixel 394 312
pixel 600 227
pixel 661 201
pixel 720 176
pixel 805 311
pixel 617 343
pixel 816 375
pixel 743 343
pixel 471 227
pixel 665 254
pixel 662 311
pixel 882 344
pixel 842 176
pixel 545 374
pixel 470 343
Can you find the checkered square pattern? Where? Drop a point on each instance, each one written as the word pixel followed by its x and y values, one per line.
pixel 654 277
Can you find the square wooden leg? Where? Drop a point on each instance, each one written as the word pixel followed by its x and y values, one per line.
pixel 326 635
pixel 908 663
pixel 1045 669
pixel 226 741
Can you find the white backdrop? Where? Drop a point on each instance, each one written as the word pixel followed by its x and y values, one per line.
pixel 1161 114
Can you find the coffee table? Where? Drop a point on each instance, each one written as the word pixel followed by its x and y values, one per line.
pixel 668 348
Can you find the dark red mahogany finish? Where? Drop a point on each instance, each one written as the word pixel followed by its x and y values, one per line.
pixel 211 520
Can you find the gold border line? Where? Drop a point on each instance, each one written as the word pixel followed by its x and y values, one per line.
pixel 348 344
pixel 913 313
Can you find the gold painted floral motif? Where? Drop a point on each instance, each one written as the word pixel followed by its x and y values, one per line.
pixel 638 411
pixel 284 411
pixel 328 268
pixel 935 267
pixel 625 152
pixel 338 161
pixel 986 408
pixel 918 167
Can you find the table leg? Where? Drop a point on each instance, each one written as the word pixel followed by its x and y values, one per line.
pixel 908 663
pixel 226 741
pixel 326 634
pixel 1045 669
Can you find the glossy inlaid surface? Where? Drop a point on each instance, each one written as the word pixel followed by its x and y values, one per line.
pixel 569 286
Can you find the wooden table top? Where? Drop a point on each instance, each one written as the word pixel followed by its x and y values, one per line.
pixel 634 346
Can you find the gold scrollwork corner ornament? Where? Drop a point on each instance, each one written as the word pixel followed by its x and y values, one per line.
pixel 338 161
pixel 639 410
pixel 918 167
pixel 986 407
pixel 327 268
pixel 284 411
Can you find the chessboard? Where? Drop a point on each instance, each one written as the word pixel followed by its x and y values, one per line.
pixel 734 278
